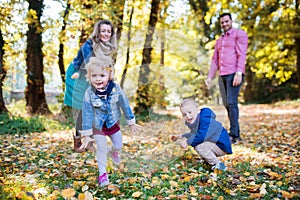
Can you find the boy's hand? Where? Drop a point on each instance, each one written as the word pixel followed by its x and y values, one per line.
pixel 180 140
pixel 135 128
pixel 183 143
pixel 174 138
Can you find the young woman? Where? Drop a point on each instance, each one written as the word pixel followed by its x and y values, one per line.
pixel 102 44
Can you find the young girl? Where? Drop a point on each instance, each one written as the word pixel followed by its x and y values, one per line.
pixel 101 113
pixel 209 138
pixel 102 44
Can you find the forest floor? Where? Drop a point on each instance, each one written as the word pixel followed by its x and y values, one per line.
pixel 265 165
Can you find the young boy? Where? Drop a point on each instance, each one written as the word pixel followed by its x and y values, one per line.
pixel 101 111
pixel 209 138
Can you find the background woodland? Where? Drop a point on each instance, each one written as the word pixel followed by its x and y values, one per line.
pixel 164 47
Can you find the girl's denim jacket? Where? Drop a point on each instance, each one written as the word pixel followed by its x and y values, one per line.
pixel 97 110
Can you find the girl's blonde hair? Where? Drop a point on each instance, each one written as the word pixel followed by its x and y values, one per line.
pixel 95 62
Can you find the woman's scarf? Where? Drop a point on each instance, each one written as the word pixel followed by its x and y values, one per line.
pixel 107 50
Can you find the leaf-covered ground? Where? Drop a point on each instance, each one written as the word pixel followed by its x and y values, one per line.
pixel 264 166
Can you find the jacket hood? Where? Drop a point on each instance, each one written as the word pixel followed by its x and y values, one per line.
pixel 207 113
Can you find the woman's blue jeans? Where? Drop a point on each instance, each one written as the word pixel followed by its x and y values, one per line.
pixel 230 96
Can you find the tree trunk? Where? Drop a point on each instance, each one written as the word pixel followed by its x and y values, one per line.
pixel 119 17
pixel 128 49
pixel 161 86
pixel 35 94
pixel 297 45
pixel 200 8
pixel 143 100
pixel 89 19
pixel 61 46
pixel 249 84
pixel 2 74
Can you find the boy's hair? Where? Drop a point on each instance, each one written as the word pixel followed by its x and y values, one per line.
pixel 189 101
pixel 103 63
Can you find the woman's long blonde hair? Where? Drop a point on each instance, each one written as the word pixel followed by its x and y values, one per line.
pixel 100 48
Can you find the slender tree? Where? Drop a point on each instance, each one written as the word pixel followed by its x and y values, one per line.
pixel 118 19
pixel 249 75
pixel 143 100
pixel 161 89
pixel 61 44
pixel 2 74
pixel 35 94
pixel 201 8
pixel 297 43
pixel 128 48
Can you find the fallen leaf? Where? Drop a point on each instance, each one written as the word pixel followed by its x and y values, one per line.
pixel 173 184
pixel 164 176
pixel 88 195
pixel 114 189
pixel 286 194
pixel 187 178
pixel 68 193
pixel 172 196
pixel 182 196
pixel 84 188
pixel 262 189
pixel 81 196
pixel 192 189
pixel 155 181
pixel 137 194
pixel 253 188
pixel 247 174
pixel 255 195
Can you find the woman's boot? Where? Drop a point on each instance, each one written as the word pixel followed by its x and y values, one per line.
pixel 77 142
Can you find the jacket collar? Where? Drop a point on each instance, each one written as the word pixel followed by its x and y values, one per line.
pixel 194 126
pixel 229 32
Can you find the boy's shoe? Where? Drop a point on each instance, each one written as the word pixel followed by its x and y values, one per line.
pixel 115 157
pixel 235 140
pixel 103 180
pixel 220 166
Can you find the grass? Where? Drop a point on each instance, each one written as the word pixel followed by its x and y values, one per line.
pixel 18 122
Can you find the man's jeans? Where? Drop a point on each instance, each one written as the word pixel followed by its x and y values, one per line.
pixel 229 96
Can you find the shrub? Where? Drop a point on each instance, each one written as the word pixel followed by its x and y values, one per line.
pixel 11 124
